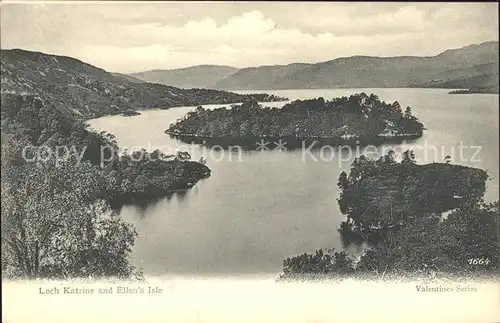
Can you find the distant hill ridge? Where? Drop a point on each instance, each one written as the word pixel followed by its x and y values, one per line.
pixel 200 76
pixel 474 65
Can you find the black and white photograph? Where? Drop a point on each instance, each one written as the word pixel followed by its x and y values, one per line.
pixel 236 161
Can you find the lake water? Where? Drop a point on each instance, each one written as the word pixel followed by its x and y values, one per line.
pixel 259 207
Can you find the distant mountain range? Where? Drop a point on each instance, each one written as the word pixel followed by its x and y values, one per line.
pixel 201 76
pixel 129 78
pixel 474 66
pixel 88 91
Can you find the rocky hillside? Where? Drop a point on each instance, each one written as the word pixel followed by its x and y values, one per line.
pixel 89 92
pixel 481 78
pixel 201 76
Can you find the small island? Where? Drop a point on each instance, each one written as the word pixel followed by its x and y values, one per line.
pixel 130 113
pixel 360 117
pixel 379 195
pixel 477 90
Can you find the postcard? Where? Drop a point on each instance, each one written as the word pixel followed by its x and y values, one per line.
pixel 249 162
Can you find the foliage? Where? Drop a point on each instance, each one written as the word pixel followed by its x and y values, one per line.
pixel 323 262
pixel 357 116
pixel 395 210
pixel 54 225
pixel 380 194
pixel 431 245
pixel 423 247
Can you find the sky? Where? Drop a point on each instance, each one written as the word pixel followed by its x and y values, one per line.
pixel 136 36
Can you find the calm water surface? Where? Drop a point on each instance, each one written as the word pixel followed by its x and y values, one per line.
pixel 258 208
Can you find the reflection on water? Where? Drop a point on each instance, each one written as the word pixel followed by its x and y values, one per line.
pixel 259 207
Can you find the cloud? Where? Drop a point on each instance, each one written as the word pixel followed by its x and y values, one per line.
pixel 225 49
pixel 404 19
pixel 133 37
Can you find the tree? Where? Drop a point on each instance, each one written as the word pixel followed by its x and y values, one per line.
pixel 54 226
pixel 408 157
pixel 407 114
pixel 343 182
pixel 183 156
pixel 391 156
pixel 396 107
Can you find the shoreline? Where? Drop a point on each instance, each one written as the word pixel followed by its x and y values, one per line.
pixel 291 142
pixel 139 111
